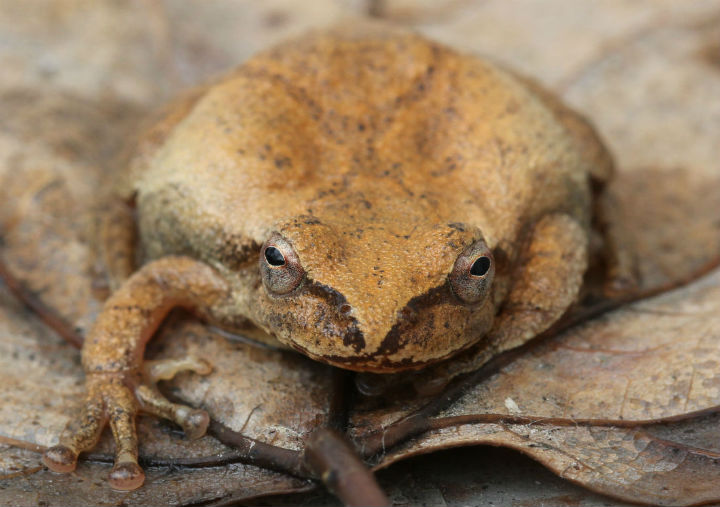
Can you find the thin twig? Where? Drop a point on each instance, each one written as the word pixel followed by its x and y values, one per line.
pixel 329 457
pixel 258 453
pixel 216 460
pixel 21 473
pixel 22 444
pixel 326 457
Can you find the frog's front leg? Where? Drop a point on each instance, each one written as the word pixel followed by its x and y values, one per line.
pixel 548 279
pixel 118 383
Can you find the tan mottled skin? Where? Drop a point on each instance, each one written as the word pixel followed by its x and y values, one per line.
pixel 380 157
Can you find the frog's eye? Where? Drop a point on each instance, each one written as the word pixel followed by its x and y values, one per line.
pixel 279 266
pixel 473 273
pixel 274 256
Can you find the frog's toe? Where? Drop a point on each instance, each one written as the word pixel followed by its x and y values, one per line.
pixel 165 369
pixel 194 422
pixel 60 459
pixel 620 286
pixel 427 385
pixel 122 408
pixel 80 435
pixel 126 476
pixel 622 275
pixel 620 282
pixel 372 385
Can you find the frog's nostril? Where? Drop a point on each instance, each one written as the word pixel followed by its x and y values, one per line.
pixel 345 309
pixel 407 314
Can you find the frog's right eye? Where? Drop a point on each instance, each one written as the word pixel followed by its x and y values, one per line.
pixel 280 267
pixel 473 273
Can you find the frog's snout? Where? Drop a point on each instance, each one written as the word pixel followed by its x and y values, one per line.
pixel 416 299
pixel 322 324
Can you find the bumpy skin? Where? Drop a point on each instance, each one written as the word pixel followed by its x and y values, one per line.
pixel 380 157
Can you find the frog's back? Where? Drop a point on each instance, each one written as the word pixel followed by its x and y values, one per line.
pixel 373 112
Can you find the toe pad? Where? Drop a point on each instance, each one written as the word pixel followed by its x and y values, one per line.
pixel 60 459
pixel 126 476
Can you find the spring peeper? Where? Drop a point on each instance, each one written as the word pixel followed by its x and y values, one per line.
pixel 374 200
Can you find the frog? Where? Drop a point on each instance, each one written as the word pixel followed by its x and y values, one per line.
pixel 360 194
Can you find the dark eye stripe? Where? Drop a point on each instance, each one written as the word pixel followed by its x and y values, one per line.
pixel 274 257
pixel 481 266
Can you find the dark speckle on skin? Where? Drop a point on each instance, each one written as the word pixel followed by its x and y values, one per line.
pixel 283 162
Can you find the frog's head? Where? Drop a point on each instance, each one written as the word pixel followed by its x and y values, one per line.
pixel 376 294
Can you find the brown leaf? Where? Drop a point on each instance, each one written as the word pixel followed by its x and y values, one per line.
pixel 164 486
pixel 627 463
pixel 137 52
pixel 252 389
pixel 556 41
pixel 51 150
pixel 656 359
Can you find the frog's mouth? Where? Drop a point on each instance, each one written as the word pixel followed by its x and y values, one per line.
pixel 375 363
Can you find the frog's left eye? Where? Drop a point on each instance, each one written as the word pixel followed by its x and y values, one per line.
pixel 473 273
pixel 279 266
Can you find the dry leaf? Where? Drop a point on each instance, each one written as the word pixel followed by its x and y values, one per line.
pixel 628 463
